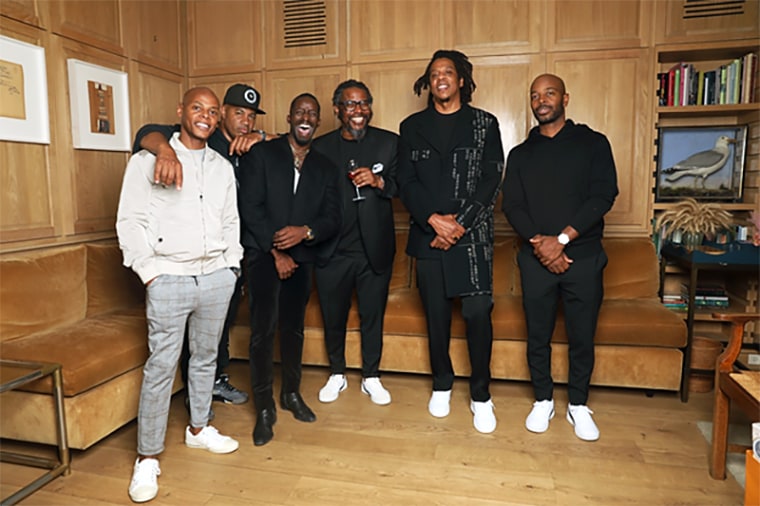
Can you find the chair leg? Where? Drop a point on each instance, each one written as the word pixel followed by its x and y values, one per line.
pixel 719 433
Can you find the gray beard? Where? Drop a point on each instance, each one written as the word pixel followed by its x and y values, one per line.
pixel 357 135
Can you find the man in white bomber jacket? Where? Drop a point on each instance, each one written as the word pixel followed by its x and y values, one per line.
pixel 185 246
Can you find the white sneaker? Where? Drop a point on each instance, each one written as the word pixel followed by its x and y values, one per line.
pixel 579 417
pixel 539 416
pixel 144 484
pixel 483 418
pixel 376 391
pixel 336 383
pixel 439 403
pixel 210 439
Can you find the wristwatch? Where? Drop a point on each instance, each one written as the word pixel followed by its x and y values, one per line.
pixel 309 233
pixel 563 239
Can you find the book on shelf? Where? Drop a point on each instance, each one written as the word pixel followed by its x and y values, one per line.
pixel 732 82
pixel 706 290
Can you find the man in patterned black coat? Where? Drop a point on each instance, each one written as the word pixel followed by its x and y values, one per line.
pixel 450 166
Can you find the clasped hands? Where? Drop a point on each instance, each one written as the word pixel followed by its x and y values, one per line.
pixel 550 253
pixel 283 239
pixel 447 230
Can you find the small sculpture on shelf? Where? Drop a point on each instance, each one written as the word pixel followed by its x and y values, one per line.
pixel 689 222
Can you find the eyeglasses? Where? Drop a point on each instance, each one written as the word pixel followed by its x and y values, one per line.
pixel 351 105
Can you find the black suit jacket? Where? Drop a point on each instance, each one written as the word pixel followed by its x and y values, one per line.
pixel 375 214
pixel 267 203
pixel 461 178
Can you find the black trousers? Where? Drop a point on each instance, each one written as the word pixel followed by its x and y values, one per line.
pixel 274 304
pixel 476 310
pixel 336 282
pixel 580 289
pixel 223 353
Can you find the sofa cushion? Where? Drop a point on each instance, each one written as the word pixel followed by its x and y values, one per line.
pixel 42 290
pixel 106 272
pixel 632 271
pixel 92 351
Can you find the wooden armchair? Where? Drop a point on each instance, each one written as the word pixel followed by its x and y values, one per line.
pixel 732 385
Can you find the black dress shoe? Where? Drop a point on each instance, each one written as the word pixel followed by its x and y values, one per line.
pixel 294 402
pixel 262 432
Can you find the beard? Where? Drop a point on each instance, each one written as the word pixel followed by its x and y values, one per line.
pixel 356 133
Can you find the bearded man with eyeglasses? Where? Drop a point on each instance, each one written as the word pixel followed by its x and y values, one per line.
pixel 363 256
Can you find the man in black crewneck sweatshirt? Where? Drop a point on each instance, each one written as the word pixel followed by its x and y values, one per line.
pixel 559 185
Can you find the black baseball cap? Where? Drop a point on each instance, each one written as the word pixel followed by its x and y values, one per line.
pixel 243 95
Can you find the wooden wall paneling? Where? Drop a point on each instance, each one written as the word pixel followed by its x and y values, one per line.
pixel 611 91
pixel 26 206
pixel 319 40
pixel 383 30
pixel 391 87
pixel 156 33
pixel 598 24
pixel 225 37
pixel 504 90
pixel 98 23
pixel 494 27
pixel 153 95
pixel 94 177
pixel 702 21
pixel 287 84
pixel 219 85
pixel 31 12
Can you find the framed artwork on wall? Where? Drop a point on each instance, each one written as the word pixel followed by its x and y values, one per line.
pixel 704 162
pixel 99 99
pixel 23 92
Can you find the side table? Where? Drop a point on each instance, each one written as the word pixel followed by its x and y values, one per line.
pixel 742 258
pixel 13 374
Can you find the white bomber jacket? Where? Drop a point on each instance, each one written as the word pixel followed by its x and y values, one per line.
pixel 187 232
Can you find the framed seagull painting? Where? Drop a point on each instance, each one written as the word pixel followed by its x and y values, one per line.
pixel 705 163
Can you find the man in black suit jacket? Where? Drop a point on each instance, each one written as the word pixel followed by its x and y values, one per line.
pixel 363 258
pixel 450 165
pixel 290 208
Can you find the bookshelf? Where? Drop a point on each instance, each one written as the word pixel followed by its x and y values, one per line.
pixel 743 288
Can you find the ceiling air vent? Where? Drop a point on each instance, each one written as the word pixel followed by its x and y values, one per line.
pixel 712 8
pixel 305 23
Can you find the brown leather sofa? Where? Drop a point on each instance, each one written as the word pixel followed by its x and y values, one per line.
pixel 638 340
pixel 80 307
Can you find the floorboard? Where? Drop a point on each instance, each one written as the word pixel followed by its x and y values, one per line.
pixel 356 453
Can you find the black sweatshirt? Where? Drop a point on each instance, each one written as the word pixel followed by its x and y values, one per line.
pixel 552 182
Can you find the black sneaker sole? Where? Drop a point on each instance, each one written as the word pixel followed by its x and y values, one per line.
pixel 220 398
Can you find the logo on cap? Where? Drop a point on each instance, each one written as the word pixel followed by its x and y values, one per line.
pixel 250 96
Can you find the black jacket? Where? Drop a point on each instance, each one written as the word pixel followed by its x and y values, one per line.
pixel 375 214
pixel 462 178
pixel 267 203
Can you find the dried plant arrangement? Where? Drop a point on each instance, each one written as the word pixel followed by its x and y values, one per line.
pixel 694 218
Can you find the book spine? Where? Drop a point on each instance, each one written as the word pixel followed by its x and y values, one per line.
pixel 699 98
pixel 722 88
pixel 671 85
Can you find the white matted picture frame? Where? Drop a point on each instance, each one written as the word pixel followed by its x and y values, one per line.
pixel 99 99
pixel 24 115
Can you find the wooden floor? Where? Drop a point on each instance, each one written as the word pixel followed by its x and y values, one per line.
pixel 650 453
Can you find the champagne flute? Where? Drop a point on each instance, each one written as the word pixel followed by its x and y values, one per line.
pixel 351 168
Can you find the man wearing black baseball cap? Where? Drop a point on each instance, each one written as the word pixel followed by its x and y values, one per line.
pixel 234 137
